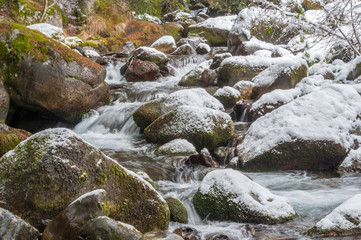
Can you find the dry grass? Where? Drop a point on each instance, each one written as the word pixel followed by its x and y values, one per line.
pixel 96 26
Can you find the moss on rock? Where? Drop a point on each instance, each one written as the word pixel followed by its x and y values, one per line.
pixel 10 138
pixel 178 213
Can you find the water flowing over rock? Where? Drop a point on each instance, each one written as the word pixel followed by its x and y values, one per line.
pixel 59 167
pixel 149 112
pixel 229 195
pixel 13 227
pixel 342 221
pixel 309 133
pixel 107 228
pixel 204 127
pixel 68 224
pixel 46 77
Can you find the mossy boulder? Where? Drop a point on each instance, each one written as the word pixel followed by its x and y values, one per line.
pixel 228 96
pixel 345 220
pixel 214 30
pixel 44 76
pixel 13 227
pixel 150 111
pixel 11 137
pixel 176 147
pixel 279 76
pixel 48 171
pixel 228 195
pixel 174 29
pixel 106 228
pixel 4 102
pixel 178 213
pixel 203 127
pixel 68 224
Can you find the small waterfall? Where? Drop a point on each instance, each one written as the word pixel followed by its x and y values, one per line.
pixel 113 71
pixel 241 110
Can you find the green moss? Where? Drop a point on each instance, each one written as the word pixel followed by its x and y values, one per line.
pixel 178 213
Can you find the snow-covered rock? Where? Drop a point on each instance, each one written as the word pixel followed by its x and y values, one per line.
pixel 311 132
pixel 73 41
pixel 49 30
pixel 197 97
pixel 198 77
pixel 352 162
pixel 149 18
pixel 203 127
pixel 245 88
pixel 228 96
pixel 203 48
pixel 91 53
pixel 215 30
pixel 228 195
pixel 234 69
pixel 185 49
pixel 342 221
pixel 176 147
pixel 150 54
pixel 165 44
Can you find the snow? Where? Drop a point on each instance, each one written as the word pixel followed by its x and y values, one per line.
pixel 204 46
pixel 338 219
pixel 241 84
pixel 95 192
pixel 227 92
pixel 180 15
pixel 263 53
pixel 149 18
pixel 73 41
pixel 149 51
pixel 49 30
pixel 241 190
pixel 327 113
pixel 90 53
pixel 222 23
pixel 178 146
pixel 197 97
pixel 165 40
pixel 352 160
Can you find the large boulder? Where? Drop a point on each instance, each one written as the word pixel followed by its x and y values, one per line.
pixel 44 76
pixel 270 26
pixel 106 228
pixel 235 69
pixel 138 71
pixel 4 102
pixel 174 29
pixel 214 30
pixel 13 227
pixel 165 44
pixel 69 223
pixel 49 170
pixel 151 55
pixel 203 127
pixel 342 221
pixel 228 195
pixel 309 133
pixel 279 76
pixel 150 111
pixel 11 137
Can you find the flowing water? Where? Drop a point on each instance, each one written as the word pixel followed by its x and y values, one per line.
pixel 112 129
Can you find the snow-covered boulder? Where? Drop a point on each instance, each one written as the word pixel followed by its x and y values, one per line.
pixel 176 147
pixel 279 76
pixel 54 167
pixel 214 30
pixel 342 221
pixel 352 162
pixel 203 127
pixel 200 76
pixel 73 41
pixel 150 54
pixel 245 88
pixel 267 25
pixel 218 59
pixel 239 68
pixel 193 41
pixel 150 111
pixel 138 70
pixel 49 30
pixel 271 101
pixel 165 44
pixel 185 49
pixel 203 48
pixel 228 96
pixel 228 195
pixel 106 228
pixel 90 52
pixel 310 133
pixel 13 227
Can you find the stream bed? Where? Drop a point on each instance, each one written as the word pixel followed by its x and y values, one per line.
pixel 112 129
